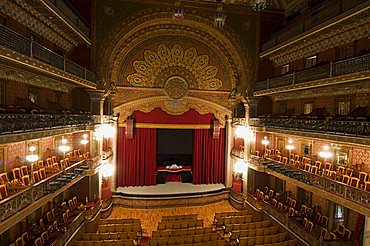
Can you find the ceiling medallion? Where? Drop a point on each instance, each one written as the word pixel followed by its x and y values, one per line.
pixel 176 87
pixel 149 70
pixel 259 5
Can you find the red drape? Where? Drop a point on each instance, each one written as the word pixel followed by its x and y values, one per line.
pixel 137 158
pixel 208 157
pixel 358 229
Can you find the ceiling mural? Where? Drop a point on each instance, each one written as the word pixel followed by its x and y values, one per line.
pixel 155 69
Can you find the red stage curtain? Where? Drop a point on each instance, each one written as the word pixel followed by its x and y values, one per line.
pixel 358 229
pixel 137 158
pixel 208 157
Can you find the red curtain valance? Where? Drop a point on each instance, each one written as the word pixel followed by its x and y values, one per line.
pixel 158 116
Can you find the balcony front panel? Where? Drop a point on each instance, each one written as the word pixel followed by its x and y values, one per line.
pixel 23 45
pixel 356 132
pixel 357 68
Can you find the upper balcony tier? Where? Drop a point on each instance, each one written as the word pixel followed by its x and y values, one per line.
pixel 356 132
pixel 25 54
pixel 354 70
pixel 58 15
pixel 311 22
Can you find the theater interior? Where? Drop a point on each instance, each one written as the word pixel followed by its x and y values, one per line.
pixel 185 122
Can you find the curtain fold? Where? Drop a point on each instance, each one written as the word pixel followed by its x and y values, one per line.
pixel 137 158
pixel 208 157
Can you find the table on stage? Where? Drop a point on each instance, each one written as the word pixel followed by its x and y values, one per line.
pixel 178 174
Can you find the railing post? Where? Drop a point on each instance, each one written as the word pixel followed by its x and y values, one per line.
pixel 31 47
pixel 64 63
pixel 331 69
pixel 268 83
pixel 85 72
pixel 293 78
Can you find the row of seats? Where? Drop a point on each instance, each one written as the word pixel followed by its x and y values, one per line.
pixel 254 232
pixel 179 224
pixel 182 232
pixel 179 217
pixel 105 243
pixel 184 240
pixel 229 214
pixel 23 240
pixel 247 226
pixel 259 240
pixel 108 236
pixel 135 227
pixel 119 221
pixel 233 220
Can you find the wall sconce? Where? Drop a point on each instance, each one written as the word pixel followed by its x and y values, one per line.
pixel 265 142
pixel 239 166
pixel 325 153
pixel 107 170
pixel 32 157
pixel 64 147
pixel 104 131
pixel 289 147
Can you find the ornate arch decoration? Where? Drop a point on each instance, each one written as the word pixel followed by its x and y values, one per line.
pixel 152 24
pixel 173 107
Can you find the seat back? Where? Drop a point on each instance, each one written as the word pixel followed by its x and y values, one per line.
pixel 16 173
pixel 24 170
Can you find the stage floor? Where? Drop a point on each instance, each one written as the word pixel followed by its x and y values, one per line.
pixel 171 189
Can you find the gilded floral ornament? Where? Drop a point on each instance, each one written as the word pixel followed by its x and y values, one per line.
pixel 156 64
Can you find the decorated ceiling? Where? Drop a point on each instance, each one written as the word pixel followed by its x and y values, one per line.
pixel 156 61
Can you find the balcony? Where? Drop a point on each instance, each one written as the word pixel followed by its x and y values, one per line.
pixel 36 195
pixel 349 196
pixel 345 131
pixel 65 17
pixel 307 21
pixel 357 68
pixel 23 45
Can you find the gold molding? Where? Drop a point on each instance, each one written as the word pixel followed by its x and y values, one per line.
pixel 173 107
pixel 170 126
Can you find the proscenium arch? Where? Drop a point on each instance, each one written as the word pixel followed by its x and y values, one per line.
pixel 147 25
pixel 164 102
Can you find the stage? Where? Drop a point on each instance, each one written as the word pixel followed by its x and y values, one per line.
pixel 169 194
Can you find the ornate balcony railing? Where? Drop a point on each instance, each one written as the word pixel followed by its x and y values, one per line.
pixel 51 185
pixel 18 123
pixel 353 65
pixel 330 185
pixel 311 19
pixel 26 46
pixel 347 128
pixel 289 222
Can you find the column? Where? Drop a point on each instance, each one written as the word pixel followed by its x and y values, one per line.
pixel 229 139
pixel 247 149
pixel 366 238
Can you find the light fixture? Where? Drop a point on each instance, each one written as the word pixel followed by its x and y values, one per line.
pixel 64 147
pixel 84 141
pixel 178 12
pixel 32 157
pixel 259 5
pixel 239 166
pixel 325 153
pixel 290 145
pixel 107 170
pixel 220 17
pixel 245 133
pixel 265 141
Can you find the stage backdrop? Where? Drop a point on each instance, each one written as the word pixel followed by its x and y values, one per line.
pixel 137 164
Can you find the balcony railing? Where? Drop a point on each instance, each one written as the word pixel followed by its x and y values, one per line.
pixel 18 123
pixel 15 203
pixel 347 128
pixel 71 15
pixel 353 65
pixel 310 20
pixel 26 46
pixel 356 195
pixel 289 222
